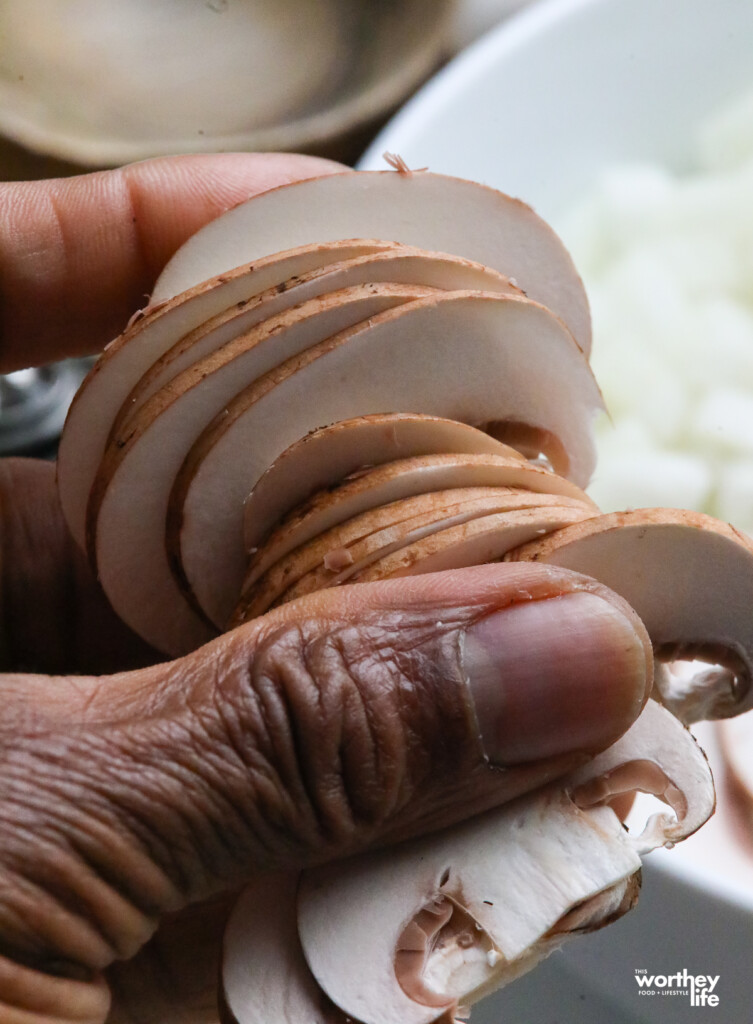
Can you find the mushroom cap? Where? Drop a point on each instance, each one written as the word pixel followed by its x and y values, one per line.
pixel 486 538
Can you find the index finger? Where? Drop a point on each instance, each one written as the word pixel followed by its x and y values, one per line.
pixel 79 255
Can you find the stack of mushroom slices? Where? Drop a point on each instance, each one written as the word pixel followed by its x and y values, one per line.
pixel 402 387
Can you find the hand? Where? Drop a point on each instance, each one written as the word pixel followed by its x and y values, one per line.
pixel 133 804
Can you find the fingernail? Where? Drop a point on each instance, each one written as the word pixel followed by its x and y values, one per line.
pixel 548 677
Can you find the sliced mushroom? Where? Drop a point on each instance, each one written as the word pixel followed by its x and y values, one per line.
pixel 330 454
pixel 363 923
pixel 265 978
pixel 430 211
pixel 657 755
pixel 211 396
pixel 402 480
pixel 140 466
pixel 690 578
pixel 347 549
pixel 152 332
pixel 452 915
pixel 395 265
pixel 506 357
pixel 481 531
pixel 486 539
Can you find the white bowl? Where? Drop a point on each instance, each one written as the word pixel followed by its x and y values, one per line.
pixel 539 108
pixel 542 104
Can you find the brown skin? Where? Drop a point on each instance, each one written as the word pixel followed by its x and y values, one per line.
pixel 128 799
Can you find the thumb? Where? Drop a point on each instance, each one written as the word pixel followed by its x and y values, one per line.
pixel 357 716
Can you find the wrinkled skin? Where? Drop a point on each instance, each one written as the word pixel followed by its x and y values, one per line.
pixel 134 791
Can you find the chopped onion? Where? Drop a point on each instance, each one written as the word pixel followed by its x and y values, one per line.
pixel 668 262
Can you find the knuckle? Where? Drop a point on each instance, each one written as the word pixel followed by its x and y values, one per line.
pixel 339 728
pixel 69 879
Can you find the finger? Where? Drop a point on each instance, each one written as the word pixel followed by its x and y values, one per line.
pixel 54 617
pixel 357 716
pixel 80 255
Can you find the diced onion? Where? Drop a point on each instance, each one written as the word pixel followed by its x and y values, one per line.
pixel 668 263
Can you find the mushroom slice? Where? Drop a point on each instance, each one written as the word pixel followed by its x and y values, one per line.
pixel 140 465
pixel 329 455
pixel 341 564
pixel 657 755
pixel 396 265
pixel 485 539
pixel 431 211
pixel 507 357
pixel 398 517
pixel 408 933
pixel 454 915
pixel 690 579
pixel 345 550
pixel 265 978
pixel 400 480
pixel 152 332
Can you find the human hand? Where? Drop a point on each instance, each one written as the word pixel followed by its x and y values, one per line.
pixel 133 804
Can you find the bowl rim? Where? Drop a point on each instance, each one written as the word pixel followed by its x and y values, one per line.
pixel 348 113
